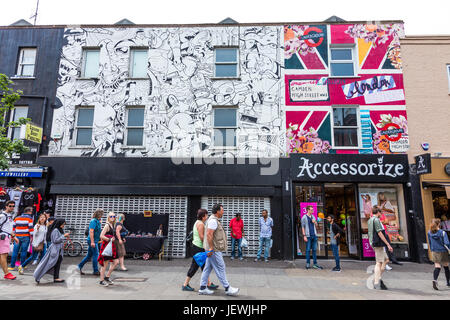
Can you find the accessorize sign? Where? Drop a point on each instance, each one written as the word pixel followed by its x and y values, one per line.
pixel 349 167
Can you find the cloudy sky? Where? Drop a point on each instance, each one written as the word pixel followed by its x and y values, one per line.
pixel 420 17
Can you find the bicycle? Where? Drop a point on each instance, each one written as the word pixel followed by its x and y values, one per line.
pixel 72 248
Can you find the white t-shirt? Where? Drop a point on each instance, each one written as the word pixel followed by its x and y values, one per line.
pixel 212 224
pixel 7 227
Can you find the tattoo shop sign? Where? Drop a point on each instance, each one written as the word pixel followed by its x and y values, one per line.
pixel 307 90
pixel 349 168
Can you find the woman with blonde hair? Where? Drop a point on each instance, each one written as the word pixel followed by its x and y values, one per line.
pixel 439 247
pixel 106 236
pixel 39 243
pixel 121 233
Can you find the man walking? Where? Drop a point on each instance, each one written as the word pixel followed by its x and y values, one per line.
pixel 378 241
pixel 6 234
pixel 237 232
pixel 95 229
pixel 215 242
pixel 265 235
pixel 309 230
pixel 335 236
pixel 22 227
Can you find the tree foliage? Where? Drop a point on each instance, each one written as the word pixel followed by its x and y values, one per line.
pixel 9 97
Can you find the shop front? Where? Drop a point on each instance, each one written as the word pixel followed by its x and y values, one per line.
pixel 347 187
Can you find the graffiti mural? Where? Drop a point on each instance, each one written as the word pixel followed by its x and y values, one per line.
pixel 178 94
pixel 376 88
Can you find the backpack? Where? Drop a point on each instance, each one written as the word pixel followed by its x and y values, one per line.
pixel 1 225
pixel 190 236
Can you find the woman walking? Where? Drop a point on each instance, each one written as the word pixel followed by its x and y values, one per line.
pixel 51 262
pixel 39 243
pixel 121 233
pixel 106 236
pixel 439 245
pixel 197 246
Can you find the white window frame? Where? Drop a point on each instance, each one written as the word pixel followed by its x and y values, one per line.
pixel 235 128
pixel 227 63
pixel 21 64
pixel 83 62
pixel 11 118
pixel 358 127
pixel 125 144
pixel 131 58
pixel 352 48
pixel 83 127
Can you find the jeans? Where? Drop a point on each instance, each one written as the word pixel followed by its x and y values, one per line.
pixel 24 243
pixel 311 244
pixel 92 253
pixel 233 242
pixel 266 243
pixel 335 249
pixel 34 256
pixel 215 262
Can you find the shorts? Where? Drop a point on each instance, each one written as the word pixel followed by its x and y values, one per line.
pixel 5 245
pixel 439 257
pixel 380 255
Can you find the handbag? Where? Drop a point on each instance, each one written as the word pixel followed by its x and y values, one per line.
pixel 108 252
pixel 39 247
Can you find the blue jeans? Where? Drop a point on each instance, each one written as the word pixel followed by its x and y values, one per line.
pixel 335 249
pixel 311 244
pixel 233 243
pixel 266 243
pixel 92 253
pixel 34 256
pixel 24 243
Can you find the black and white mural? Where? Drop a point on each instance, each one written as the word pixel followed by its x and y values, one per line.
pixel 178 94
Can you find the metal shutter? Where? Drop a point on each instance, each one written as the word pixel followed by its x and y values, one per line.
pixel 250 208
pixel 77 211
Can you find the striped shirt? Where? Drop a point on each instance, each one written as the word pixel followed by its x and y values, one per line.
pixel 23 225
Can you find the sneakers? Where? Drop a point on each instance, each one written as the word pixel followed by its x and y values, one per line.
pixel 187 288
pixel 109 281
pixel 232 291
pixel 11 269
pixel 20 269
pixel 308 266
pixel 104 283
pixel 213 286
pixel 316 266
pixel 232 258
pixel 257 259
pixel 96 273
pixel 435 287
pixel 9 276
pixel 34 262
pixel 266 260
pixel 336 269
pixel 81 272
pixel 382 285
pixel 205 291
pixel 240 259
pixel 388 268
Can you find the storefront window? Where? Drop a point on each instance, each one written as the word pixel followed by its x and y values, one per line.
pixel 391 201
pixel 441 209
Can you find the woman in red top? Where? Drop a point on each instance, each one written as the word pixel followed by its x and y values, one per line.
pixel 107 235
pixel 237 232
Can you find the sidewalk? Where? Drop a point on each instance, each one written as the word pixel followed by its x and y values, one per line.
pixel 287 280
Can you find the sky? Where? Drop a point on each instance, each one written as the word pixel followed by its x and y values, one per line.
pixel 420 17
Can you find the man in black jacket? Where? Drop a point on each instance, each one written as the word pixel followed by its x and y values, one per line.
pixel 335 236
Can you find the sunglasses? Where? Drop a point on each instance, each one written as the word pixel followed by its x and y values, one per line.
pixel 11 206
pixel 112 216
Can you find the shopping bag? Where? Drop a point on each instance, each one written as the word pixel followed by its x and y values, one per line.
pixel 108 252
pixel 271 243
pixel 200 258
pixel 244 243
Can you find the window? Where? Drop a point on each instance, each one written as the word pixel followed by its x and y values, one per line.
pixel 138 63
pixel 16 114
pixel 91 60
pixel 226 62
pixel 225 125
pixel 345 127
pixel 84 124
pixel 135 126
pixel 27 61
pixel 342 62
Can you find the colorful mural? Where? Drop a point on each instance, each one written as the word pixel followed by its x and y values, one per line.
pixel 376 88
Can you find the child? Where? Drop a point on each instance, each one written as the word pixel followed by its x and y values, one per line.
pixel 335 234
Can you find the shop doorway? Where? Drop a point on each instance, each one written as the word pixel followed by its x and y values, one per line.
pixel 441 209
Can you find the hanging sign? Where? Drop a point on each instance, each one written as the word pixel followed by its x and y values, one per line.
pixel 423 163
pixel 31 133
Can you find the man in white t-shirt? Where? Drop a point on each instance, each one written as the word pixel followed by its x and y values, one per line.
pixel 6 234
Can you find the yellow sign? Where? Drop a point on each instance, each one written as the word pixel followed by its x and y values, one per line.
pixel 148 214
pixel 33 133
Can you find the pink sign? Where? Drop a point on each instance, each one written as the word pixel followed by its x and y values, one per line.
pixel 367 248
pixel 303 206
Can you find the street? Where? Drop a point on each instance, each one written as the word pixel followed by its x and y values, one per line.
pixel 275 280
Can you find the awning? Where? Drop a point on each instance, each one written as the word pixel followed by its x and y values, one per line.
pixel 23 172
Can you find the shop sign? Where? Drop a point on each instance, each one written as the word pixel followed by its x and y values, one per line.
pixel 447 168
pixel 21 174
pixel 308 90
pixel 31 133
pixel 423 163
pixel 349 167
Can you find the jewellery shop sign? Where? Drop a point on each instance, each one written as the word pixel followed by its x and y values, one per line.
pixel 349 168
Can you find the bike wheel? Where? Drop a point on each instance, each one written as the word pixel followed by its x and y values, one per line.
pixel 75 249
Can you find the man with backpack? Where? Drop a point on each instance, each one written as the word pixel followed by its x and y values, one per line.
pixel 6 234
pixel 93 237
pixel 335 236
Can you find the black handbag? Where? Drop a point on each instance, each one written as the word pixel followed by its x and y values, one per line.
pixel 190 236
